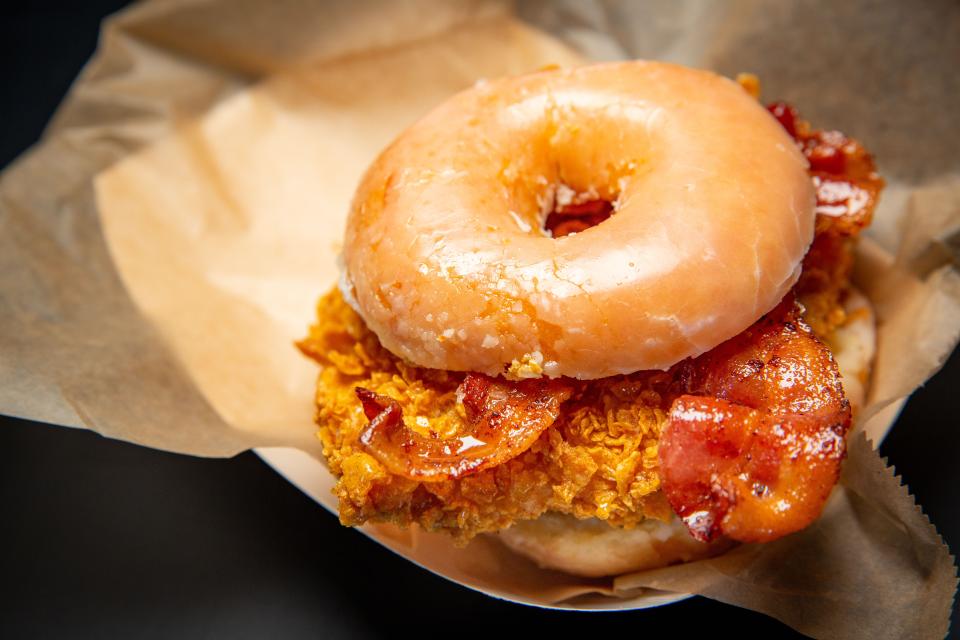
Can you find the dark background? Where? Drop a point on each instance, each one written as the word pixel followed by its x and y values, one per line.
pixel 105 539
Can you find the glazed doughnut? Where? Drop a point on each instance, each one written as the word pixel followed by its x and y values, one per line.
pixel 592 548
pixel 447 261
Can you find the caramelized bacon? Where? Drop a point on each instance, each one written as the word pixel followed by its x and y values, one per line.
pixel 843 172
pixel 754 441
pixel 846 182
pixel 502 419
pixel 847 188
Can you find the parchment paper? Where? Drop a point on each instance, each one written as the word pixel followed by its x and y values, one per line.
pixel 228 138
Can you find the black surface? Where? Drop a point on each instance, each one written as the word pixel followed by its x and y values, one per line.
pixel 105 539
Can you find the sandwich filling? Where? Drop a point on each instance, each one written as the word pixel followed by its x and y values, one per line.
pixel 721 439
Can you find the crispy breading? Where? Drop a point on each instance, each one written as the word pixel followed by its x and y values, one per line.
pixel 599 458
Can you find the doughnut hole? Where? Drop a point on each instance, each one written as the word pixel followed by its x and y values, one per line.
pixel 565 167
pixel 576 216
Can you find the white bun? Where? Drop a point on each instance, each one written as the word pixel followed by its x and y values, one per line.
pixel 853 347
pixel 592 548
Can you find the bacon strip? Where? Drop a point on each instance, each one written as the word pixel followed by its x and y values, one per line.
pixel 754 442
pixel 503 419
pixel 843 173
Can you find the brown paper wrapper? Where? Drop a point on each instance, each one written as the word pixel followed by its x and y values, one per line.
pixel 224 140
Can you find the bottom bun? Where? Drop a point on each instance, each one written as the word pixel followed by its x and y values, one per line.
pixel 592 548
pixel 853 346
